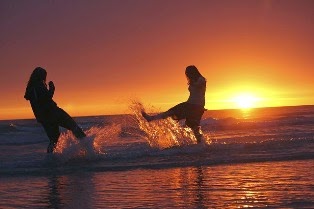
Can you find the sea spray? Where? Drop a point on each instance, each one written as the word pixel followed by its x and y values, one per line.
pixel 93 145
pixel 102 140
pixel 164 133
pixel 117 143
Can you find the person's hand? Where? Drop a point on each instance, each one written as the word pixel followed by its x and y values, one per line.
pixel 51 86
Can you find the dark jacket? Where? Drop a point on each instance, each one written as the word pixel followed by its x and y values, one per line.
pixel 41 101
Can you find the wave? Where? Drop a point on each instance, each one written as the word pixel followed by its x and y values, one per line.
pixel 165 143
pixel 129 142
pixel 135 123
pixel 238 124
pixel 146 157
pixel 7 128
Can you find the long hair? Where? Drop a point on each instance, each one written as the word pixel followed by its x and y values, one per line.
pixel 38 75
pixel 192 74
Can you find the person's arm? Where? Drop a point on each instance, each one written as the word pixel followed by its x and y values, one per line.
pixel 43 94
pixel 52 88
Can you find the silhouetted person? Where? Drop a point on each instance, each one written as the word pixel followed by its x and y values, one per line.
pixel 191 110
pixel 46 110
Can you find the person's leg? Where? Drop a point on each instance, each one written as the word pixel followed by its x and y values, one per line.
pixel 53 133
pixel 66 121
pixel 197 133
pixel 177 113
pixel 159 116
pixel 193 121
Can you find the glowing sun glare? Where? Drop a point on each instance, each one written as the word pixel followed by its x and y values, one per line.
pixel 245 101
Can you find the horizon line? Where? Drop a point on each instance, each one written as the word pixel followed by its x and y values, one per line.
pixel 121 114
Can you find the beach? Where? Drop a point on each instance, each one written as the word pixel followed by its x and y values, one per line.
pixel 259 159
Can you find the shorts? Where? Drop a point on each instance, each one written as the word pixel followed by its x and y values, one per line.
pixel 192 113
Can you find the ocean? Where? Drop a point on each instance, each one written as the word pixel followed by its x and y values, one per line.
pixel 255 158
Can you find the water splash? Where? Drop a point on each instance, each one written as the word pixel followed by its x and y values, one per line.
pixel 164 133
pixel 94 144
pixel 105 140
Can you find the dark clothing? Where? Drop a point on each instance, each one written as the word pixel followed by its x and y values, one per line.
pixel 191 112
pixel 63 119
pixel 48 113
pixel 41 101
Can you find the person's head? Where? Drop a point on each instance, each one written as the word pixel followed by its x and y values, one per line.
pixel 38 75
pixel 192 73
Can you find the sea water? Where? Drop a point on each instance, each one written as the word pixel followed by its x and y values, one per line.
pixel 260 158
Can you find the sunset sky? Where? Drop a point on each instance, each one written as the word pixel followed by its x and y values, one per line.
pixel 103 53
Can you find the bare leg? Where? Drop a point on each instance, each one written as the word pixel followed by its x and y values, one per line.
pixel 159 116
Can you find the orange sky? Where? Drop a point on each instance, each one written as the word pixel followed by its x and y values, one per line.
pixel 101 54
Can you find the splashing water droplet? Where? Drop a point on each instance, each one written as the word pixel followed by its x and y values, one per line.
pixel 164 133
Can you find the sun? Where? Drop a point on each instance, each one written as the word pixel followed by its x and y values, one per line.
pixel 245 101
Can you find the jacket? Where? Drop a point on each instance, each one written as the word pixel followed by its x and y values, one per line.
pixel 41 101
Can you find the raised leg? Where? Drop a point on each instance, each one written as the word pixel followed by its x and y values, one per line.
pixel 67 122
pixel 159 116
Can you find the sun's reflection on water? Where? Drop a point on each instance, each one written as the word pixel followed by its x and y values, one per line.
pixel 286 184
